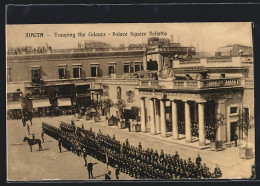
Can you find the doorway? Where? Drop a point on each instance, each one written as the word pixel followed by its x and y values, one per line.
pixel 233 130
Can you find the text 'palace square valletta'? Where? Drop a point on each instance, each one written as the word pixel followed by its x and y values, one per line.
pixel 130 101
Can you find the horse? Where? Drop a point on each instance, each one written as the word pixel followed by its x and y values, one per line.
pixel 32 142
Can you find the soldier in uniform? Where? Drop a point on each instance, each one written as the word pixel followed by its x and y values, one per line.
pixel 117 171
pixel 198 160
pixel 42 135
pixel 217 172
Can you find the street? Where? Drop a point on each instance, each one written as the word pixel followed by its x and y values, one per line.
pixel 49 164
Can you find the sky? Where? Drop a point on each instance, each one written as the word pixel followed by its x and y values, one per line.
pixel 204 36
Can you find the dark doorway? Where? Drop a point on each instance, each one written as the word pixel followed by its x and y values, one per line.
pixel 233 130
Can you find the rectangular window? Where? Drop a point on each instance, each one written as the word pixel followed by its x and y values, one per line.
pixel 94 71
pixel 126 68
pixel 233 110
pixel 111 69
pixel 62 72
pixel 138 67
pixel 77 70
pixel 36 75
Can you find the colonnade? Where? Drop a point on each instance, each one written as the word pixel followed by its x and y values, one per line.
pixel 158 118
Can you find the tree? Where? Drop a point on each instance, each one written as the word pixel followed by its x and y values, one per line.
pixel 120 105
pixel 108 103
pixel 244 123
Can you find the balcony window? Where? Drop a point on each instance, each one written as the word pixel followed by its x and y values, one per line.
pixel 77 71
pixel 138 67
pixel 62 72
pixel 36 75
pixel 126 68
pixel 111 69
pixel 94 70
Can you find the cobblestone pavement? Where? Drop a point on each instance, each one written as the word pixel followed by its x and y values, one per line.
pixel 49 164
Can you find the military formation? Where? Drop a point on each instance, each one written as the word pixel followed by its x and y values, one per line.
pixel 136 161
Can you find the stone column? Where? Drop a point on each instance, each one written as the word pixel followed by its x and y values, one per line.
pixel 187 122
pixel 163 118
pixel 152 116
pixel 175 132
pixel 157 116
pixel 143 124
pixel 202 140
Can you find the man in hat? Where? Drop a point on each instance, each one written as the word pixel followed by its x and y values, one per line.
pixel 85 156
pixel 90 170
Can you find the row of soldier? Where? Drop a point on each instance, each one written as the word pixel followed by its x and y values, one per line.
pixel 135 161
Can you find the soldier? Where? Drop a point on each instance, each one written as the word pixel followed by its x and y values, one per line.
pixel 176 156
pixel 140 147
pixel 198 160
pixel 85 156
pixel 117 171
pixel 217 172
pixel 235 138
pixel 42 135
pixel 28 129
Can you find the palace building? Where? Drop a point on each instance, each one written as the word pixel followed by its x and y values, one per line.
pixel 175 92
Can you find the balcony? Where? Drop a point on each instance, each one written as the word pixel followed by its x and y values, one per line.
pixel 148 83
pixel 193 84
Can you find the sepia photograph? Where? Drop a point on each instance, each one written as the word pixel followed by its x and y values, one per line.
pixel 130 101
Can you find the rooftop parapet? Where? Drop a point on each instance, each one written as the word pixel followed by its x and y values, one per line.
pixel 213 62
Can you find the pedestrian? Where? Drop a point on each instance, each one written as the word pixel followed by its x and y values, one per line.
pixel 235 138
pixel 107 175
pixel 59 144
pixel 117 171
pixel 90 170
pixel 128 125
pixel 33 137
pixel 85 156
pixel 82 126
pixel 28 129
pixel 42 135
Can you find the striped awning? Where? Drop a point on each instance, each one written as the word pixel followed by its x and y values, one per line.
pixel 41 103
pixel 64 102
pixel 14 105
